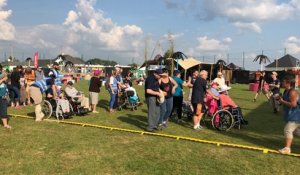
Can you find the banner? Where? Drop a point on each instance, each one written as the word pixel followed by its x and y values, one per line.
pixel 36 58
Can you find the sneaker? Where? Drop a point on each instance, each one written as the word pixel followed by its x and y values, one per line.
pixel 254 100
pixel 198 128
pixel 285 150
pixel 95 112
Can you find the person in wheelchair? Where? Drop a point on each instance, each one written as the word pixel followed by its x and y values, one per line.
pixel 228 104
pixel 36 91
pixel 61 105
pixel 77 96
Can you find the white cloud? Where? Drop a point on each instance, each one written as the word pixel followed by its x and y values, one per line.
pixel 293 45
pixel 85 31
pixel 243 14
pixel 7 30
pixel 208 45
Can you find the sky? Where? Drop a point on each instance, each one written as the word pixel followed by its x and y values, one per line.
pixel 233 30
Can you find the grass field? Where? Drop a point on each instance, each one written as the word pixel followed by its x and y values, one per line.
pixel 52 148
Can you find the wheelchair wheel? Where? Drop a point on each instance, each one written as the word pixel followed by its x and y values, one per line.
pixel 222 120
pixel 47 108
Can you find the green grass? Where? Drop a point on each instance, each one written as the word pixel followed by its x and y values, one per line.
pixel 52 148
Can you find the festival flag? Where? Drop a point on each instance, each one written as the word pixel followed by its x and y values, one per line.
pixel 36 58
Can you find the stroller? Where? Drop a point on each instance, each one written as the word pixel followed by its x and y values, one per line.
pixel 187 109
pixel 128 100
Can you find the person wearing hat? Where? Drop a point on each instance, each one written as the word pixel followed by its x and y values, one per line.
pixel 94 90
pixel 167 85
pixel 151 94
pixel 275 89
pixel 58 77
pixel 178 94
pixel 220 80
pixel 76 95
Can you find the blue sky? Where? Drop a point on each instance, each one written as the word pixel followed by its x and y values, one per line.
pixel 117 30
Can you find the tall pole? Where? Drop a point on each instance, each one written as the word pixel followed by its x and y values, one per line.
pixel 172 51
pixel 284 51
pixel 227 58
pixel 146 55
pixel 244 60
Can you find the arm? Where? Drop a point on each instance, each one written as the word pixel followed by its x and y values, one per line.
pixel 152 92
pixel 189 82
pixel 293 96
pixel 211 94
pixel 175 85
pixel 53 87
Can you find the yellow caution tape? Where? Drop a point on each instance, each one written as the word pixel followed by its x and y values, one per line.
pixel 263 150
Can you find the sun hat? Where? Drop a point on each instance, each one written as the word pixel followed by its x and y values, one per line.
pixel 224 88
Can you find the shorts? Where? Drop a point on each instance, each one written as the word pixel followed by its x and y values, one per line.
pixel 94 97
pixel 36 95
pixel 195 107
pixel 3 108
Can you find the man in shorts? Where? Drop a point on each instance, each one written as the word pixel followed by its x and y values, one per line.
pixel 199 91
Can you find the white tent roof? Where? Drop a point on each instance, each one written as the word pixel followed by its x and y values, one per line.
pixel 188 63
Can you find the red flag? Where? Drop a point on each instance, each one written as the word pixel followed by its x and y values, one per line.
pixel 36 58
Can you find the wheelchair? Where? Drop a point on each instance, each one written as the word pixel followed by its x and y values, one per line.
pixel 126 101
pixel 76 107
pixel 223 119
pixel 50 108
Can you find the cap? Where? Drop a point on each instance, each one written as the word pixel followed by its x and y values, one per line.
pixel 274 73
pixel 70 83
pixel 176 72
pixel 158 71
pixel 96 72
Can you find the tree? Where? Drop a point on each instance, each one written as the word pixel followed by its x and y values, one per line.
pixel 98 61
pixel 133 66
pixel 220 64
pixel 262 60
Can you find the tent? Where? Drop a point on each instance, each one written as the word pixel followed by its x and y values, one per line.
pixel 187 64
pixel 286 62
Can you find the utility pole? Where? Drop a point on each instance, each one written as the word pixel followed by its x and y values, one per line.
pixel 284 51
pixel 146 55
pixel 244 60
pixel 171 41
pixel 227 58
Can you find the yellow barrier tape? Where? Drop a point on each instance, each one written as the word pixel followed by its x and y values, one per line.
pixel 263 150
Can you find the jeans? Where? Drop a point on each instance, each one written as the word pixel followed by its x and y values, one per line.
pixel 166 109
pixel 112 99
pixel 177 104
pixel 14 94
pixel 153 113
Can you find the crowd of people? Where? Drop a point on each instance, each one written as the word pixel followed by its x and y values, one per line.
pixel 163 95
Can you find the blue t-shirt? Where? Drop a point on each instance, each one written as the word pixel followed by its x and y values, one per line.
pixel 214 91
pixel 178 90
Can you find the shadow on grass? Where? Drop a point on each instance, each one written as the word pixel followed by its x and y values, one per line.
pixel 135 120
pixel 103 103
